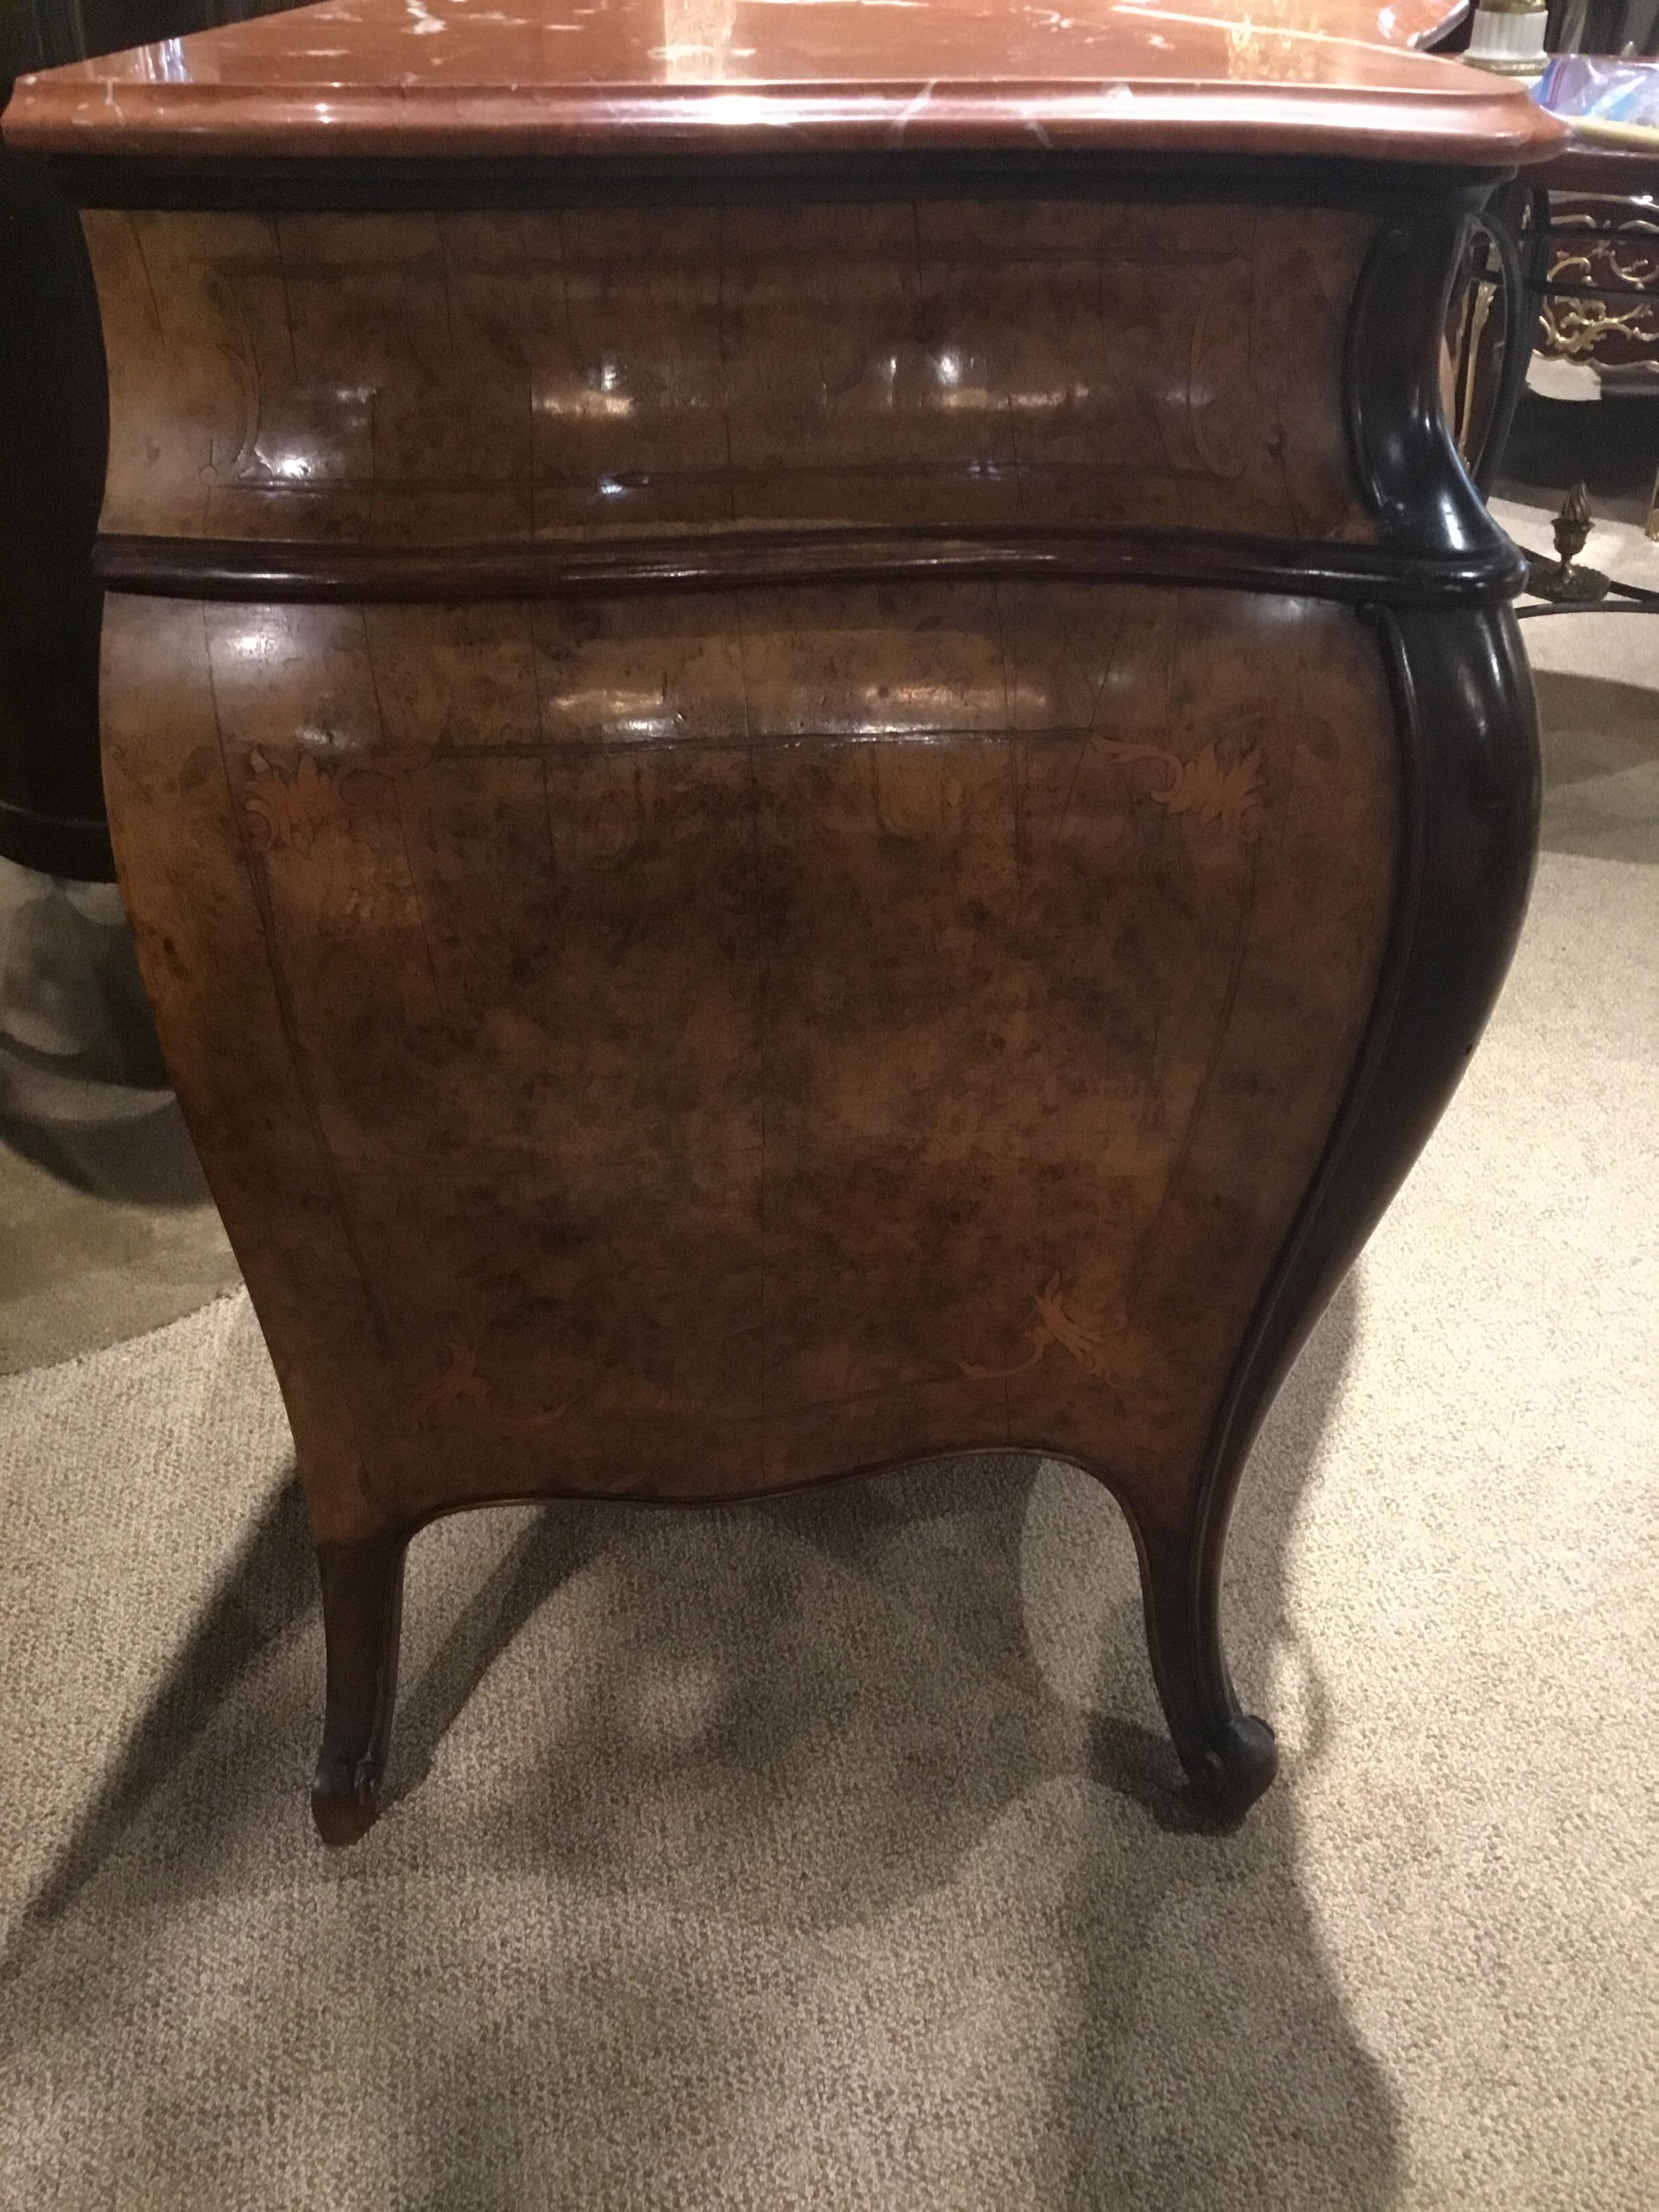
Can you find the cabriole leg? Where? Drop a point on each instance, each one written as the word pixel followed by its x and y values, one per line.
pixel 362 1605
pixel 1229 1756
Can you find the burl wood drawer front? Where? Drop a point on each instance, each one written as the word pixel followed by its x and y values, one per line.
pixel 397 378
pixel 692 1046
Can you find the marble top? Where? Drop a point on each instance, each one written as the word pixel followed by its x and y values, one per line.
pixel 387 78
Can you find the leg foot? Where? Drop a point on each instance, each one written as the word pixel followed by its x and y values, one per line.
pixel 1237 1766
pixel 362 1603
pixel 1229 1756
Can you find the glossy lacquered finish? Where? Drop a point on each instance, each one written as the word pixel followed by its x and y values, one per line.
pixel 695 77
pixel 408 380
pixel 824 820
pixel 744 1037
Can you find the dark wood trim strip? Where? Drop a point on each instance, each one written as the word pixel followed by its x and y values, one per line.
pixel 252 571
pixel 1466 845
pixel 277 185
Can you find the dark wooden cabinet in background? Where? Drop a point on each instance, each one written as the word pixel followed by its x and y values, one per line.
pixel 52 436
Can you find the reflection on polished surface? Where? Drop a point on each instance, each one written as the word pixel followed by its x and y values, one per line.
pixel 380 76
pixel 529 376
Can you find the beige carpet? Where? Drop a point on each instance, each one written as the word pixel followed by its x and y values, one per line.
pixel 808 1855
pixel 106 1225
pixel 82 1267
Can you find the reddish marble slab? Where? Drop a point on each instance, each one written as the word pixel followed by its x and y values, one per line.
pixel 445 77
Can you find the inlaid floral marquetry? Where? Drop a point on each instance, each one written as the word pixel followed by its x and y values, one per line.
pixel 289 811
pixel 1093 1344
pixel 461 1386
pixel 1230 797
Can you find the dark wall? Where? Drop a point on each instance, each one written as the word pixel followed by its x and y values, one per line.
pixel 53 431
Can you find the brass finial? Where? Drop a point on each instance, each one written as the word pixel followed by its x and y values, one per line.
pixel 1572 525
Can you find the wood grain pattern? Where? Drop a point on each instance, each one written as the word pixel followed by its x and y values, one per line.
pixel 702 1046
pixel 446 378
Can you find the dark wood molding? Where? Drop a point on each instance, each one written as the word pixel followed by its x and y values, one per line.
pixel 336 186
pixel 1405 460
pixel 1470 790
pixel 244 571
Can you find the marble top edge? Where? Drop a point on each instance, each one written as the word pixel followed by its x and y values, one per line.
pixel 468 78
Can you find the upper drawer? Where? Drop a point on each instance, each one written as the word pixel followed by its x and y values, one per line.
pixel 441 379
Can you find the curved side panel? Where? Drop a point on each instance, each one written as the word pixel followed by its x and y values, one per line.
pixel 693 1047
